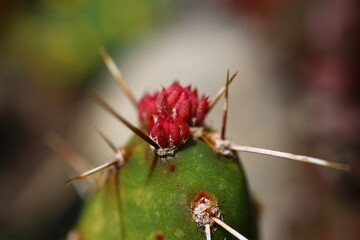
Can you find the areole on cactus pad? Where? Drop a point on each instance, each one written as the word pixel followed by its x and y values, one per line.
pixel 176 178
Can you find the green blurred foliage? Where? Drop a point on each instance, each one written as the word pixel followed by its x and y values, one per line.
pixel 56 42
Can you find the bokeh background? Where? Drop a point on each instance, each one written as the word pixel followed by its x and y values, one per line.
pixel 297 91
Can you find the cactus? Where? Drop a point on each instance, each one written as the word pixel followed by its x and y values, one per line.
pixel 176 178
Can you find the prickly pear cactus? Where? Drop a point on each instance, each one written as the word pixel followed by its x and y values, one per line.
pixel 176 178
pixel 161 206
pixel 173 187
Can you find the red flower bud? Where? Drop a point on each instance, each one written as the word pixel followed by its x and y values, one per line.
pixel 183 107
pixel 168 132
pixel 159 135
pixel 147 107
pixel 169 114
pixel 201 110
pixel 173 93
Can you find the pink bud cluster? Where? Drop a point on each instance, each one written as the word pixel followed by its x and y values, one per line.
pixel 169 114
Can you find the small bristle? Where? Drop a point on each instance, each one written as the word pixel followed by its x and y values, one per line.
pixel 292 156
pixel 153 165
pixel 136 130
pixel 68 154
pixel 229 229
pixel 106 139
pixel 209 143
pixel 115 71
pixel 220 93
pixel 93 171
pixel 207 232
pixel 226 104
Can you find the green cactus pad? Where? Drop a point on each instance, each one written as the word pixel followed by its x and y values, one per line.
pixel 135 204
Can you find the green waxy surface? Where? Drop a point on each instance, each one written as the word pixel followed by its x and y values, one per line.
pixel 157 207
pixel 100 218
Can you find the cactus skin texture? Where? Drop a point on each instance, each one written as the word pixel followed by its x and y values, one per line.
pixel 134 205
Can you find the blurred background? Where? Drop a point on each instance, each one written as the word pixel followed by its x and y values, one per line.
pixel 296 92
